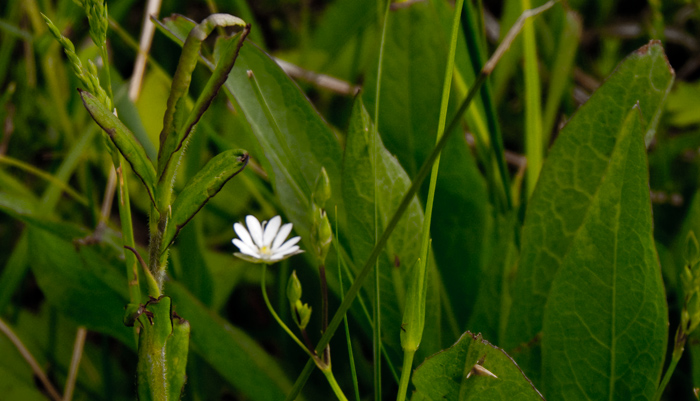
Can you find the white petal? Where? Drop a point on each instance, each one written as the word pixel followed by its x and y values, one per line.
pixel 282 235
pixel 255 230
pixel 285 253
pixel 243 235
pixel 249 258
pixel 271 230
pixel 245 248
pixel 286 245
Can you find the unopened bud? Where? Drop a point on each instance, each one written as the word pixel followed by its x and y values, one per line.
pixel 302 314
pixel 293 289
pixel 322 189
pixel 321 233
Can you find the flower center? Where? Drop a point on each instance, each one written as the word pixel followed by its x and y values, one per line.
pixel 266 251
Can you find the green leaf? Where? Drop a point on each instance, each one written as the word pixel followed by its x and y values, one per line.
pixel 493 295
pixel 80 283
pixel 207 183
pixel 178 122
pixel 233 353
pixel 397 261
pixel 568 182
pixel 296 145
pixel 444 375
pixel 124 140
pixel 92 291
pixel 606 322
pixel 408 122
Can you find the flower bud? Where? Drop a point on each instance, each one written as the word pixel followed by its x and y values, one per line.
pixel 322 189
pixel 293 289
pixel 302 314
pixel 321 233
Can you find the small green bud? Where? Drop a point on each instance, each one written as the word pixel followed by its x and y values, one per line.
pixel 321 233
pixel 302 315
pixel 293 289
pixel 322 189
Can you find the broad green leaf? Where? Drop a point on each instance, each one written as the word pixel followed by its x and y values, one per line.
pixel 605 323
pixel 443 376
pixel 233 353
pixel 124 140
pixel 306 143
pixel 79 282
pixel 207 183
pixel 493 295
pixel 397 261
pixel 569 180
pixel 414 68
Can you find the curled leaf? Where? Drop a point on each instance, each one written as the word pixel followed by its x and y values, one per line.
pixel 207 183
pixel 124 140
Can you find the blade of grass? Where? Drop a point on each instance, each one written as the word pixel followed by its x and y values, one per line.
pixel 377 328
pixel 561 72
pixel 414 312
pixel 413 189
pixel 534 146
pixel 64 187
pixel 477 55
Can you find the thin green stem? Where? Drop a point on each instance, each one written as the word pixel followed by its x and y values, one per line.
pixel 334 385
pixel 57 182
pixel 411 340
pixel 675 357
pixel 408 355
pixel 353 371
pixel 277 318
pixel 324 310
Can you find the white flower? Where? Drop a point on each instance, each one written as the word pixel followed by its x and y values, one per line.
pixel 265 243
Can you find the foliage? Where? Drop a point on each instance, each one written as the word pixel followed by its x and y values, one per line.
pixel 552 253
